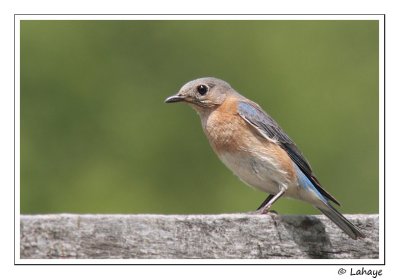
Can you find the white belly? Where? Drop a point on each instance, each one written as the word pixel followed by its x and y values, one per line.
pixel 258 171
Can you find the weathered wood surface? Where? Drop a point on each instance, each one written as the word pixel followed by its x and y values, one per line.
pixel 194 236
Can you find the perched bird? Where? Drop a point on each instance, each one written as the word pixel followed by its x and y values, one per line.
pixel 253 146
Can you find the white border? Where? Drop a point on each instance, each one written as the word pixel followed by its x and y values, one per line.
pixel 381 139
pixel 17 130
pixel 198 17
pixel 18 18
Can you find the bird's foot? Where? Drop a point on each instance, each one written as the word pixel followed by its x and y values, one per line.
pixel 263 212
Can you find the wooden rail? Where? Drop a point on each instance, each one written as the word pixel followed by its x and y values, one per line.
pixel 194 236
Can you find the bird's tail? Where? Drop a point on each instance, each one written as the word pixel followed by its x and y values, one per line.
pixel 336 217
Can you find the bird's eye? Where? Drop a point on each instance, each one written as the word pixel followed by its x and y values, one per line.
pixel 202 89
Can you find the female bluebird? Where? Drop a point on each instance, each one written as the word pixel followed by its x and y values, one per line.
pixel 251 144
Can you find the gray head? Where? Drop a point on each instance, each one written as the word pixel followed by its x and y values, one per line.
pixel 203 93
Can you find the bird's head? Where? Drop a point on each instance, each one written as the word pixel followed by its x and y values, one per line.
pixel 202 94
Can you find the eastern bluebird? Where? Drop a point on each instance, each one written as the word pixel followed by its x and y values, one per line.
pixel 252 145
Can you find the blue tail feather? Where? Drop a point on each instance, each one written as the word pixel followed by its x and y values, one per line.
pixel 328 210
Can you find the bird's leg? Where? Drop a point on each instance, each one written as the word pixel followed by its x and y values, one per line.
pixel 265 201
pixel 264 207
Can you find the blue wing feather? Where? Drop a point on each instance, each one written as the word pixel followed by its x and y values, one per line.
pixel 268 127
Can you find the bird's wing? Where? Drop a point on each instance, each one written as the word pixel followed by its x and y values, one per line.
pixel 269 129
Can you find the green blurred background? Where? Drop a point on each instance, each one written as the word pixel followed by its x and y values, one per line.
pixel 96 136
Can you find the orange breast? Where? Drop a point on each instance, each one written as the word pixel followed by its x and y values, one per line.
pixel 228 132
pixel 225 129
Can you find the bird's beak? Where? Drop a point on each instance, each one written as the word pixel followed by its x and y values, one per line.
pixel 175 98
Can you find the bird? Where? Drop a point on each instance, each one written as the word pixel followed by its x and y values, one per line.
pixel 256 149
